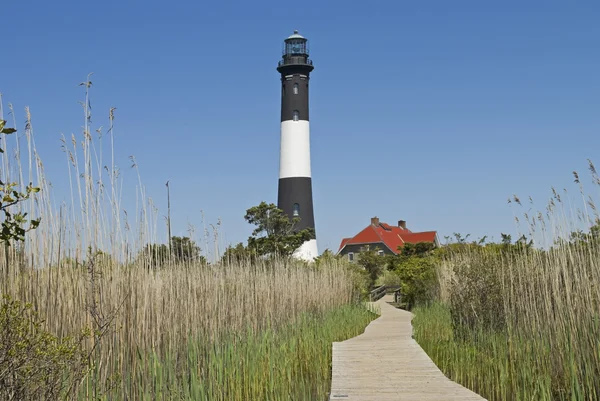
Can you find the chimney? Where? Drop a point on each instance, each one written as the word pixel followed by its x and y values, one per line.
pixel 402 223
pixel 374 221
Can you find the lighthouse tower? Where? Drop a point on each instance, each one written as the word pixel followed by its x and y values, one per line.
pixel 294 196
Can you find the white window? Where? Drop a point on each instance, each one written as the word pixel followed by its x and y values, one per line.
pixel 350 256
pixel 296 210
pixel 295 89
pixel 296 115
pixel 380 252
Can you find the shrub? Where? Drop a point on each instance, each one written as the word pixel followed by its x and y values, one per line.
pixel 372 262
pixel 35 364
pixel 390 278
pixel 417 277
pixel 415 267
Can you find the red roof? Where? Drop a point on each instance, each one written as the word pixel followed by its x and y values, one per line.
pixel 392 236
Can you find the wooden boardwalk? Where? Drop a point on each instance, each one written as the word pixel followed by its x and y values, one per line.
pixel 385 363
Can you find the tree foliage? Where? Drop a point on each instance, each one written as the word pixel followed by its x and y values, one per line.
pixel 326 257
pixel 415 266
pixel 580 238
pixel 154 255
pixel 372 262
pixel 183 250
pixel 238 254
pixel 275 233
pixel 419 249
pixel 13 223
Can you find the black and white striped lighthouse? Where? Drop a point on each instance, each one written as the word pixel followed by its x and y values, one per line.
pixel 294 196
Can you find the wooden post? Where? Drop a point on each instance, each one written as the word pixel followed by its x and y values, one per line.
pixel 169 214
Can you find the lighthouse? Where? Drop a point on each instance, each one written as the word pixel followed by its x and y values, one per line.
pixel 294 195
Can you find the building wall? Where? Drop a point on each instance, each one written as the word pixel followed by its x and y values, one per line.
pixel 355 249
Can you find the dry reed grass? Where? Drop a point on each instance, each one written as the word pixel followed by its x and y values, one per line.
pixel 166 306
pixel 144 313
pixel 524 323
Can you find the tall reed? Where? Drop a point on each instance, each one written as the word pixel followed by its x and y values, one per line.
pixel 523 323
pixel 242 331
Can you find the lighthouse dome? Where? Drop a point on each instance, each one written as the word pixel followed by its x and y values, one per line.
pixel 295 35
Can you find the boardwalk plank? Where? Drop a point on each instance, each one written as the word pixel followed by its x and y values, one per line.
pixel 386 363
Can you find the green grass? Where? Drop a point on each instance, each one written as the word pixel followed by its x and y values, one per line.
pixel 502 366
pixel 292 362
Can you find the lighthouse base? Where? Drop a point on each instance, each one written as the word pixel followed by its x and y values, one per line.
pixel 307 251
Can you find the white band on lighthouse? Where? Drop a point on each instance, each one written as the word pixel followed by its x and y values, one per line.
pixel 294 159
pixel 308 251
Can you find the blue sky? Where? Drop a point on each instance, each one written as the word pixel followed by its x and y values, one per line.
pixel 434 112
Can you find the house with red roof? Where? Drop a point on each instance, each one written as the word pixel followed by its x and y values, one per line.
pixel 388 239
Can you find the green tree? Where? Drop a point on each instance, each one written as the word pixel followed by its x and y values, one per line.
pixel 417 279
pixel 12 225
pixel 415 268
pixel 275 234
pixel 238 254
pixel 154 256
pixel 580 237
pixel 184 249
pixel 372 262
pixel 390 278
pixel 419 249
pixel 326 257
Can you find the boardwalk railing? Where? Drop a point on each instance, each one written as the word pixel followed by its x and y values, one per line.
pixel 377 293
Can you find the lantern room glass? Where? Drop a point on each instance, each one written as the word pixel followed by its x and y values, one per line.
pixel 295 47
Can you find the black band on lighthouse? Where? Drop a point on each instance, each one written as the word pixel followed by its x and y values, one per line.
pixel 294 197
pixel 294 97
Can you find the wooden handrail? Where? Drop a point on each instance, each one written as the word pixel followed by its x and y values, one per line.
pixel 377 293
